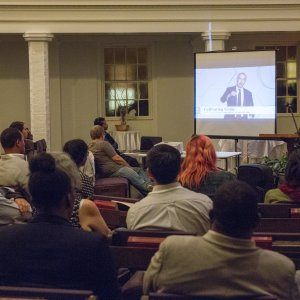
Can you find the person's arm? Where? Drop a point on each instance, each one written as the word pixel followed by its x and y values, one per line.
pixel 111 152
pixel 120 161
pixel 24 206
pixel 150 281
pixel 227 94
pixel 90 218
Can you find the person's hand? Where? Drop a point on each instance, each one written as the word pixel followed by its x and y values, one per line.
pixel 233 94
pixel 23 205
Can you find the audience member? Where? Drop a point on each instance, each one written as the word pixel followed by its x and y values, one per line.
pixel 169 206
pixel 107 137
pixel 85 212
pixel 78 151
pixel 48 251
pixel 28 138
pixel 289 190
pixel 199 172
pixel 12 208
pixel 109 164
pixel 23 128
pixel 88 168
pixel 13 167
pixel 225 261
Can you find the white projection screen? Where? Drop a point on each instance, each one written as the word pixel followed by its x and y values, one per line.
pixel 235 93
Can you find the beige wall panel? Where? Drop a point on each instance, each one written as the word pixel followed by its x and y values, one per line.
pixel 79 92
pixel 14 83
pixel 175 90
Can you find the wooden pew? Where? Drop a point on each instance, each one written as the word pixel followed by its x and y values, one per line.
pixel 113 217
pixel 285 243
pixel 14 292
pixel 280 225
pixel 279 210
pixel 134 249
pixel 110 198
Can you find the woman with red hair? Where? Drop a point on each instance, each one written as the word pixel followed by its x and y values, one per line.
pixel 198 170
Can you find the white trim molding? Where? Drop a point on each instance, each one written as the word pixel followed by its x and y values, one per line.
pixel 138 16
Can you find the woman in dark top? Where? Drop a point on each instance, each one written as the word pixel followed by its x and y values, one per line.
pixel 78 151
pixel 198 169
pixel 48 251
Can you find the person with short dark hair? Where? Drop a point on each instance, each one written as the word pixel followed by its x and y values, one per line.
pixel 108 138
pixel 225 261
pixel 289 190
pixel 78 151
pixel 169 206
pixel 48 251
pixel 28 138
pixel 21 127
pixel 13 167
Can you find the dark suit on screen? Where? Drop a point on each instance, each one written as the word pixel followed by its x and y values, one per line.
pixel 49 252
pixel 233 100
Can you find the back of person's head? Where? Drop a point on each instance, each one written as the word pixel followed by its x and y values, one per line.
pixel 235 209
pixel 163 162
pixel 9 137
pixel 200 159
pixel 96 132
pixel 49 186
pixel 18 125
pixel 292 172
pixel 78 150
pixel 99 121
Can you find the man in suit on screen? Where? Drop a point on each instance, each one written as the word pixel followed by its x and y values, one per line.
pixel 238 96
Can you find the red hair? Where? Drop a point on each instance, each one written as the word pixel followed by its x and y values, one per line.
pixel 200 159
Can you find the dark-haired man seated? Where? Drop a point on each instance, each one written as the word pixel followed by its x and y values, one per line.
pixel 169 206
pixel 224 262
pixel 13 167
pixel 28 138
pixel 108 138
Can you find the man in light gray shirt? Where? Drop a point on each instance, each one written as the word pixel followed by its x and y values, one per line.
pixel 169 206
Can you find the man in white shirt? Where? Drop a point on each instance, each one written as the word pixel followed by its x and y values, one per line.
pixel 224 262
pixel 169 206
pixel 13 167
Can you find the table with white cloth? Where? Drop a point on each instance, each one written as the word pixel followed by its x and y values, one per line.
pixel 221 155
pixel 254 150
pixel 127 140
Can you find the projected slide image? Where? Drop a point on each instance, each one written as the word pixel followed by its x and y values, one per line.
pixel 235 93
pixel 247 92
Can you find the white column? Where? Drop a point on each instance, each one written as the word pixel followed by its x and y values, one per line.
pixel 39 84
pixel 215 41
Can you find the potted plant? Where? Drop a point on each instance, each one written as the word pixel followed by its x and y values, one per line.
pixel 278 166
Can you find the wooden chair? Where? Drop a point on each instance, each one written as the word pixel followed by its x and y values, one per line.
pixel 44 293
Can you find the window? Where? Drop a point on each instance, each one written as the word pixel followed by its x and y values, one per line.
pixel 126 81
pixel 286 76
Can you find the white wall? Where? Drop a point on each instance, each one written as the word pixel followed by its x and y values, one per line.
pixel 75 83
pixel 14 84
